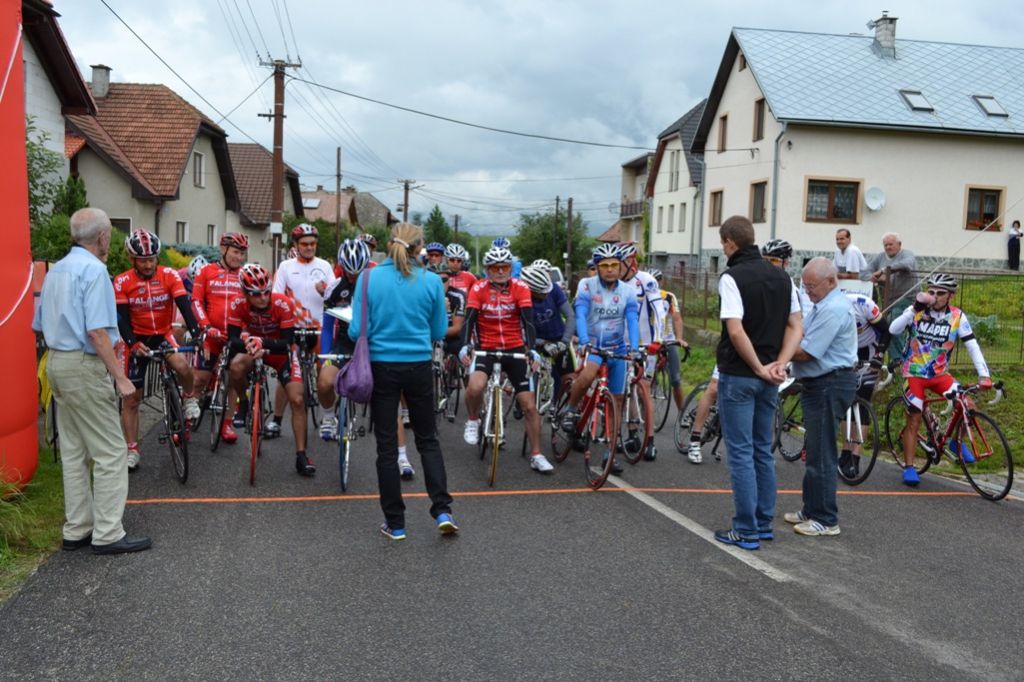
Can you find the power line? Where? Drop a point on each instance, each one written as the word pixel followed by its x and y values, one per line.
pixel 473 125
pixel 280 25
pixel 291 29
pixel 258 29
pixel 255 48
pixel 246 99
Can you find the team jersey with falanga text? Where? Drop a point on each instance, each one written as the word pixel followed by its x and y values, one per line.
pixel 266 323
pixel 498 319
pixel 212 294
pixel 932 337
pixel 150 301
pixel 606 309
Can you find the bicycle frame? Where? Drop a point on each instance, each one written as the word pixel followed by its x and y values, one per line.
pixel 494 413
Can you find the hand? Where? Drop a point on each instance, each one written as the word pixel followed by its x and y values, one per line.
pixel 125 387
pixel 213 333
pixel 985 383
pixel 923 301
pixel 140 349
pixel 535 357
pixel 653 348
pixel 465 356
pixel 253 346
pixel 320 287
pixel 637 355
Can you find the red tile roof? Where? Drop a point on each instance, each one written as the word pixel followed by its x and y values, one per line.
pixel 253 165
pixel 72 144
pixel 328 206
pixel 612 234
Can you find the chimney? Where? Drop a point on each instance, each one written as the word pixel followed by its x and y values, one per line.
pixel 351 189
pixel 885 35
pixel 100 80
pixel 319 188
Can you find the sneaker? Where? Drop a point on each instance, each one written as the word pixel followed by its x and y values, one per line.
pixel 569 419
pixel 329 428
pixel 405 466
pixel 192 410
pixel 651 453
pixel 616 466
pixel 238 421
pixel 694 454
pixel 963 450
pixel 227 433
pixel 731 537
pixel 540 463
pixel 446 524
pixel 844 460
pixel 392 533
pixel 814 528
pixel 303 465
pixel 272 429
pixel 133 459
pixel 796 517
pixel 765 535
pixel 472 432
pixel 405 416
pixel 910 477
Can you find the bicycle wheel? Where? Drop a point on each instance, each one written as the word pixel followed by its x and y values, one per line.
pixel 255 427
pixel 789 428
pixel 217 409
pixel 561 442
pixel 895 421
pixel 453 388
pixel 499 428
pixel 684 421
pixel 661 396
pixel 991 473
pixel 485 418
pixel 633 425
pixel 859 428
pixel 346 418
pixel 175 429
pixel 601 437
pixel 309 390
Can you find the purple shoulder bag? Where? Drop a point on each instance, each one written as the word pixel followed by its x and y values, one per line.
pixel 355 379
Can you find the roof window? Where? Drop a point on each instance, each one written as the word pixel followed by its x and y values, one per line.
pixel 916 101
pixel 310 203
pixel 990 106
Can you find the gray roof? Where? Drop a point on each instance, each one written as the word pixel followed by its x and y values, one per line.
pixel 841 78
pixel 686 126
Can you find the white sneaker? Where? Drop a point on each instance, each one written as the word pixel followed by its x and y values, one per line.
pixel 192 410
pixel 329 427
pixel 815 528
pixel 540 463
pixel 472 433
pixel 133 460
pixel 795 517
pixel 694 453
pixel 405 466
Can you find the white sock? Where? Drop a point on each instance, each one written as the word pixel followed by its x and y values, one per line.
pixel 401 453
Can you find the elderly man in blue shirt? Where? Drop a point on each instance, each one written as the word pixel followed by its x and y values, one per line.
pixel 825 363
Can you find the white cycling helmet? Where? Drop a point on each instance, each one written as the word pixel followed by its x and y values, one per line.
pixel 537 279
pixel 456 251
pixel 541 263
pixel 354 256
pixel 196 266
pixel 497 256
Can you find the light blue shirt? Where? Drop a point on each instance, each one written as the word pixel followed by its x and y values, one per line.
pixel 77 297
pixel 830 337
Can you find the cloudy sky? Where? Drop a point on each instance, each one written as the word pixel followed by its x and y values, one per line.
pixel 616 73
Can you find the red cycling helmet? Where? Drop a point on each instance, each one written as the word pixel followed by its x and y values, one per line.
pixel 235 239
pixel 304 230
pixel 370 240
pixel 142 244
pixel 254 278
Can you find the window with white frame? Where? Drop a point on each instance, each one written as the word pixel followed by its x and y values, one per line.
pixel 180 231
pixel 673 177
pixel 671 217
pixel 682 217
pixel 661 215
pixel 198 169
pixel 211 235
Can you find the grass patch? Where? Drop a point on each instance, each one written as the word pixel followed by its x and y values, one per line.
pixel 30 524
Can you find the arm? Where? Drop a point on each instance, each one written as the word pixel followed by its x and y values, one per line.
pixel 974 350
pixel 326 333
pixel 124 324
pixel 633 324
pixel 100 340
pixel 469 326
pixel 357 306
pixel 186 314
pixel 904 262
pixel 566 311
pixel 439 318
pixel 529 332
pixel 744 348
pixel 900 324
pixel 882 334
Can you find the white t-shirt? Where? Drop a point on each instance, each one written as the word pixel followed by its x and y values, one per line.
pixel 732 302
pixel 299 280
pixel 851 261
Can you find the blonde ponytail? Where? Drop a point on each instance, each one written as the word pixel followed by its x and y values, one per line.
pixel 406 240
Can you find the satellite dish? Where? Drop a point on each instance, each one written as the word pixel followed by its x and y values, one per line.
pixel 613 208
pixel 874 199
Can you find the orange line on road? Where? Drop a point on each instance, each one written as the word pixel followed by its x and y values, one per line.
pixel 541 491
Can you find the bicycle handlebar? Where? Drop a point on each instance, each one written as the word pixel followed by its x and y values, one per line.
pixel 334 356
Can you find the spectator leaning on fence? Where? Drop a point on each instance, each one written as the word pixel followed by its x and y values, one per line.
pixel 893 272
pixel 848 259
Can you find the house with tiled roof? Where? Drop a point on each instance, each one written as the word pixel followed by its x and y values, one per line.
pixel 356 208
pixel 806 133
pixel 631 210
pixel 151 160
pixel 253 166
pixel 673 189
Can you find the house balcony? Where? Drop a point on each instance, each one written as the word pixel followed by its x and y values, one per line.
pixel 633 209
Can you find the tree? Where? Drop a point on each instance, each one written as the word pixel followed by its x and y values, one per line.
pixel 542 235
pixel 44 167
pixel 70 196
pixel 436 229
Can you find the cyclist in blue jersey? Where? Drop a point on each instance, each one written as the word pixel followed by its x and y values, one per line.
pixel 553 320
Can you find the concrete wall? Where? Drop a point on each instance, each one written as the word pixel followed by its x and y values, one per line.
pixel 42 103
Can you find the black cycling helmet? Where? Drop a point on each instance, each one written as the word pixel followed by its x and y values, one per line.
pixel 777 248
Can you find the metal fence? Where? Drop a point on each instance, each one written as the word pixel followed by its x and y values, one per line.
pixel 993 302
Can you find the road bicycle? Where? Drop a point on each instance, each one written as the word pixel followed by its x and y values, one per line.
pixel 258 413
pixel 492 432
pixel 596 431
pixel 711 432
pixel 543 395
pixel 351 418
pixel 176 429
pixel 970 439
pixel 661 386
pixel 448 380
pixel 305 339
pixel 215 403
pixel 636 412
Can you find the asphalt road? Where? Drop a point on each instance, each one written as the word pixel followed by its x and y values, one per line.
pixel 291 580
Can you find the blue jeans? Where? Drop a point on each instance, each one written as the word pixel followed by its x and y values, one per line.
pixel 746 410
pixel 824 401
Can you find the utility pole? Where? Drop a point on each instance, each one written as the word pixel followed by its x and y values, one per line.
pixel 405 200
pixel 568 242
pixel 554 233
pixel 277 191
pixel 456 228
pixel 337 201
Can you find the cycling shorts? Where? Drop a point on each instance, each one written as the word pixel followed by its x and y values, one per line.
pixel 286 366
pixel 515 370
pixel 207 360
pixel 616 371
pixel 135 365
pixel 914 395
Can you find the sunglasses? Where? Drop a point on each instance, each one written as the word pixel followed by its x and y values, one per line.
pixel 608 266
pixel 938 292
pixel 260 294
pixel 500 268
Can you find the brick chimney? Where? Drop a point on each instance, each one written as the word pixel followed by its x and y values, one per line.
pixel 319 188
pixel 351 189
pixel 100 80
pixel 885 35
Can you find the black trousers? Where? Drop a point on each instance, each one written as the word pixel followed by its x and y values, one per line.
pixel 1013 253
pixel 415 379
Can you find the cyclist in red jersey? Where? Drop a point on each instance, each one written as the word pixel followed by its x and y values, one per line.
pixel 262 325
pixel 213 290
pixel 458 277
pixel 499 311
pixel 146 297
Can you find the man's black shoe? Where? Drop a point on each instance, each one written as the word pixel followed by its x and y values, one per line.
pixel 124 546
pixel 616 466
pixel 303 465
pixel 72 545
pixel 651 453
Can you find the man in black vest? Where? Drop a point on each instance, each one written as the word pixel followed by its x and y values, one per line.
pixel 760 317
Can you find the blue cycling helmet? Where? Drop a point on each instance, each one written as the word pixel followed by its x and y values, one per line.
pixel 501 243
pixel 435 247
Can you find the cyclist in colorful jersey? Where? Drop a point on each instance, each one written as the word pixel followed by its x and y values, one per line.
pixel 146 297
pixel 872 340
pixel 672 330
pixel 499 313
pixel 262 325
pixel 651 322
pixel 460 277
pixel 554 320
pixel 606 318
pixel 212 293
pixel 435 254
pixel 935 326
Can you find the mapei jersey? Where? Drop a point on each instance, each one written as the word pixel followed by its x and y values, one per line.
pixel 606 309
pixel 932 337
pixel 498 321
pixel 267 323
pixel 212 293
pixel 150 301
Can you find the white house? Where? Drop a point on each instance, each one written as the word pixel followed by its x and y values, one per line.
pixel 631 210
pixel 801 128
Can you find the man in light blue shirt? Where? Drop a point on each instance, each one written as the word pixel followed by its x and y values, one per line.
pixel 825 363
pixel 78 319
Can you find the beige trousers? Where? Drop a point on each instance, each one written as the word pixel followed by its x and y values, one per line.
pixel 89 432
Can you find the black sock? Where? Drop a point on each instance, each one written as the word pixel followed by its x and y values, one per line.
pixel 695 437
pixel 300 453
pixel 276 419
